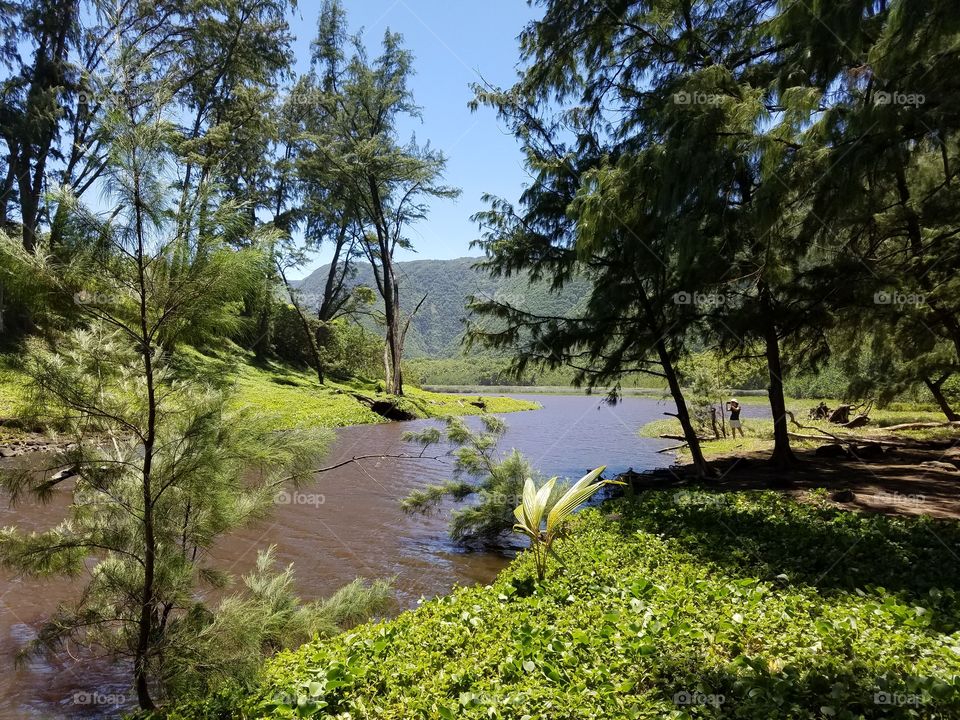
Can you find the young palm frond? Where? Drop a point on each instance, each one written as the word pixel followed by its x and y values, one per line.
pixel 542 518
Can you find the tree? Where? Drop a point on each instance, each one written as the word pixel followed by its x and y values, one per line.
pixel 607 201
pixel 159 468
pixel 32 102
pixel 478 472
pixel 227 644
pixel 313 207
pixel 233 58
pixel 387 184
pixel 881 158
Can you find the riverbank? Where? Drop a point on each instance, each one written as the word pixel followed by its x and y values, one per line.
pixel 905 461
pixel 562 390
pixel 317 530
pixel 676 603
pixel 290 397
pixel 758 430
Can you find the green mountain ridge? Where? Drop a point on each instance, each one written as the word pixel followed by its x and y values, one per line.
pixel 438 327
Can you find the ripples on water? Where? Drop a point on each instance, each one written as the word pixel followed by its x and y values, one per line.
pixel 345 524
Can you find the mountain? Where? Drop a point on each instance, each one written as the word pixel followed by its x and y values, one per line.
pixel 438 326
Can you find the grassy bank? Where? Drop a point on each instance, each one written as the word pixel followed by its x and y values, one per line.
pixel 555 390
pixel 758 432
pixel 669 605
pixel 292 397
pixel 11 387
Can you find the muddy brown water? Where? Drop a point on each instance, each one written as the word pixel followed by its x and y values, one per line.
pixel 346 524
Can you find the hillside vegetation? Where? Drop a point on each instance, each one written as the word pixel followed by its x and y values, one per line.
pixel 290 397
pixel 438 327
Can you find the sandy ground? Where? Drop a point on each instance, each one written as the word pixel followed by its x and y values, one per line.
pixel 909 478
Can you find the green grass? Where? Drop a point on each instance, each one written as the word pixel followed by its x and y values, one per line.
pixel 758 432
pixel 292 398
pixel 759 606
pixel 295 399
pixel 12 386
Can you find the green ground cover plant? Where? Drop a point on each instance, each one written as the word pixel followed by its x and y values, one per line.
pixel 673 604
pixel 291 397
pixel 758 431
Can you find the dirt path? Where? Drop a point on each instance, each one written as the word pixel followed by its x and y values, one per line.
pixel 910 478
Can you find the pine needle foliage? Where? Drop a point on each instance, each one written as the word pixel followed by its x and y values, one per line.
pixel 156 467
pixel 479 473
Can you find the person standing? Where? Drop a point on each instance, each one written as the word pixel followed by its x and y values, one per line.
pixel 733 407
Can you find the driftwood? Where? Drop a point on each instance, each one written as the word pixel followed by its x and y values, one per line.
pixel 826 438
pixel 922 425
pixel 666 436
pixel 829 435
pixel 820 412
pixel 673 447
pixel 841 415
pixel 858 421
pixel 851 441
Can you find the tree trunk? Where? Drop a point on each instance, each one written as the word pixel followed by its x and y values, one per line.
pixel 782 454
pixel 391 306
pixel 147 607
pixel 29 208
pixel 936 389
pixel 311 338
pixel 700 464
pixel 263 342
pixel 654 324
pixel 393 354
pixel 713 422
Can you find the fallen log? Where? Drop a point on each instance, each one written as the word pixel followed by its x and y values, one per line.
pixel 385 408
pixel 681 437
pixel 922 425
pixel 829 435
pixel 852 441
pixel 818 438
pixel 672 447
pixel 858 422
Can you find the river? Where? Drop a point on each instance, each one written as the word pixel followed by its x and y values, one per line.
pixel 346 524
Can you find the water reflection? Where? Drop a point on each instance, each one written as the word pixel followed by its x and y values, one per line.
pixel 347 523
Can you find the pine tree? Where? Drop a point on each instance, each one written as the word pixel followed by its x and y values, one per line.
pixel 387 183
pixel 879 165
pixel 159 467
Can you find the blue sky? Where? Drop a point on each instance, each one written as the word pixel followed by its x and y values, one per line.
pixel 454 43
